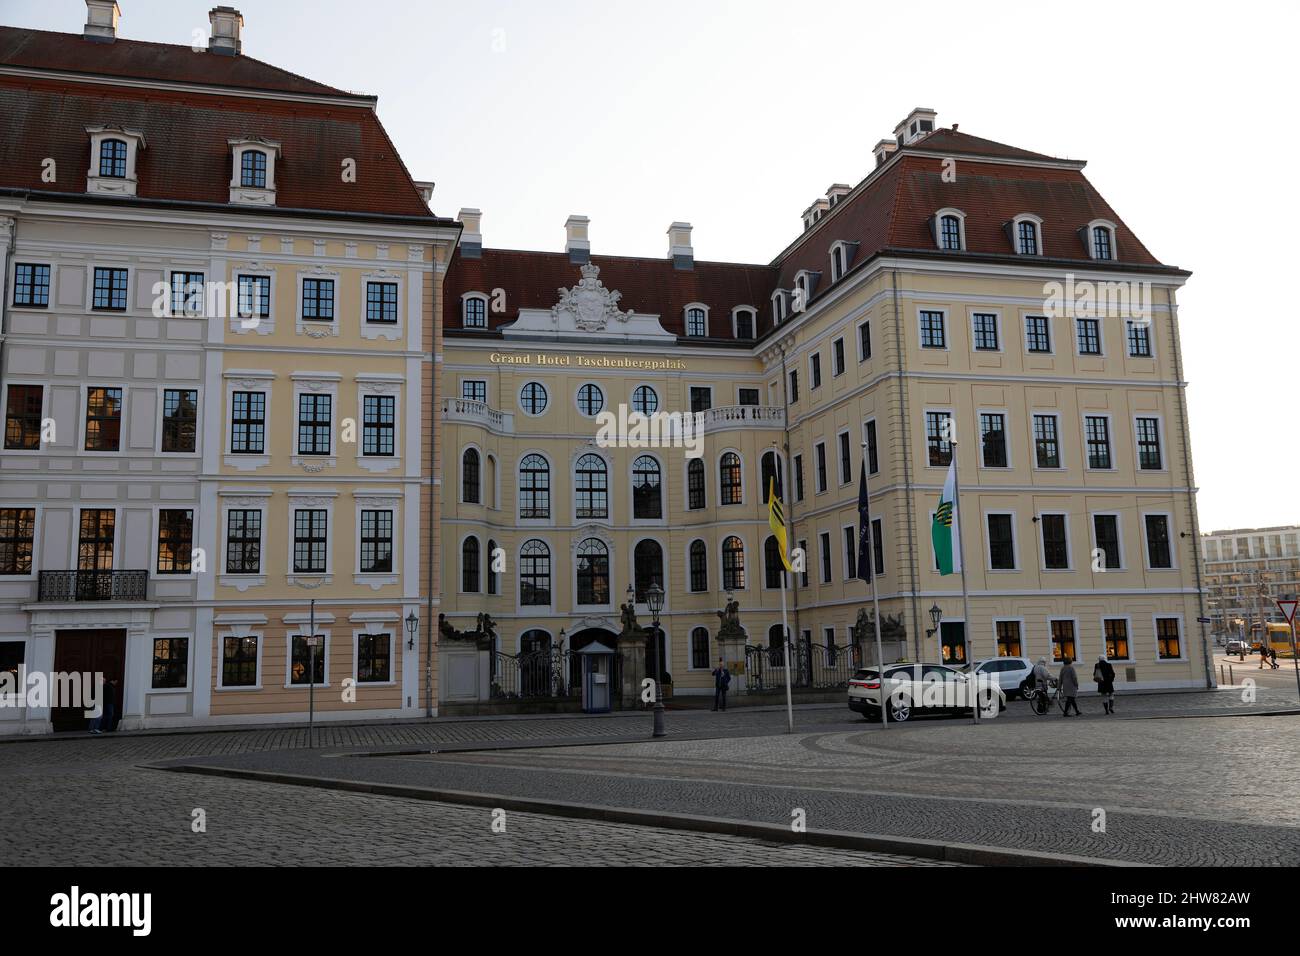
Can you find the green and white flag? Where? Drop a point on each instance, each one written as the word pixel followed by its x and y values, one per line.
pixel 944 532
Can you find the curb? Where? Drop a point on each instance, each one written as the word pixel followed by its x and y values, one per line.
pixel 969 854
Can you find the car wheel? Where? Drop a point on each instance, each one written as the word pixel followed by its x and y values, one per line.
pixel 1024 689
pixel 900 710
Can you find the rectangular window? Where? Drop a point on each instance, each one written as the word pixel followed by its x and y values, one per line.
pixel 314 424
pixel 1168 640
pixel 864 341
pixel 837 357
pixel 244 541
pixel 254 297
pixel 239 662
pixel 318 300
pixel 820 452
pixel 476 312
pixel 803 576
pixel 95 539
pixel 1148 439
pixel 187 294
pixel 1097 432
pixel 381 302
pixel 109 293
pixel 248 423
pixel 473 390
pixel 798 477
pixel 31 286
pixel 701 398
pixel 17 539
pixel 1008 638
pixel 850 554
pixel 103 419
pixel 171 663
pixel 1038 333
pixel 824 544
pixel 307 661
pixel 933 335
pixel 309 541
pixel 1139 339
pixel 23 418
pixel 993 436
pixel 1159 556
pixel 1056 552
pixel 1063 641
pixel 878 544
pixel 1047 444
pixel 699 570
pixel 379 413
pixel 175 541
pixel 937 438
pixel 794 385
pixel 1002 548
pixel 1089 336
pixel 815 370
pixel 873 456
pixel 376 542
pixel 744 324
pixel 180 420
pixel 986 332
pixel 748 396
pixel 846 459
pixel 374 658
pixel 1105 530
pixel 1116 631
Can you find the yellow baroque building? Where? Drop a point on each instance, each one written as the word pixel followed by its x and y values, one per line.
pixel 966 293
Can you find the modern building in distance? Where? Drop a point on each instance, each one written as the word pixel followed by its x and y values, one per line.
pixel 961 281
pixel 1247 572
pixel 220 289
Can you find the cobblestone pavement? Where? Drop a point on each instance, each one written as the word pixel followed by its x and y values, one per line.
pixel 1173 791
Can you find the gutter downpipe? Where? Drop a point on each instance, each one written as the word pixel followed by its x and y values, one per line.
pixel 907 466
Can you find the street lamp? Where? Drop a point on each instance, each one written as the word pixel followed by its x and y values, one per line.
pixel 412 625
pixel 655 599
pixel 936 615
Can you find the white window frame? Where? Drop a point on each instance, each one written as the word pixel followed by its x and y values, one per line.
pixel 520 398
pixel 37 527
pixel 83 412
pixel 998 331
pixel 249 380
pixel 1119 538
pixel 1078 639
pixel 155 526
pixel 74 538
pixel 377 500
pixel 853 530
pixel 988 541
pixel 311 501
pixel 251 500
pixel 316 328
pixel 238 631
pixel 1038 233
pixel 252 195
pixel 1006 438
pixel 584 533
pixel 130 271
pixel 198 422
pixel 686 324
pixel 392 332
pixel 735 322
pixel 1150 325
pixel 1025 316
pixel 843 351
pixel 865 323
pixel 372 385
pixel 1110 438
pixel 17 259
pixel 1146 545
pixel 1092 245
pixel 1024 638
pixel 1155 638
pixel 302 630
pixel 825 558
pixel 1054 414
pixel 866 450
pixel 938 228
pixel 520 607
pixel 1160 437
pixel 482 476
pixel 520 520
pixel 604 399
pixel 1128 623
pixel 373 630
pixel 316 383
pixel 662 520
pixel 464 312
pixel 264 326
pixel 1101 337
pixel 721 453
pixel 815 474
pixel 839 463
pixel 1042 543
pixel 112 185
pixel 687 566
pixel 46 387
pixel 920 333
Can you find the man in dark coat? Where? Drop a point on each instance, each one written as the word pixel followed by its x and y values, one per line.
pixel 1070 687
pixel 721 681
pixel 1104 675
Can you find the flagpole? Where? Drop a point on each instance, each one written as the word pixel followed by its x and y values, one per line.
pixel 785 633
pixel 961 557
pixel 783 532
pixel 875 598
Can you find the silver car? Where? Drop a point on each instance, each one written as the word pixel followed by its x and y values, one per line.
pixel 1012 674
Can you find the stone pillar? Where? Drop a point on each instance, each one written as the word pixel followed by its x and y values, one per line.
pixel 631 651
pixel 464 669
pixel 731 645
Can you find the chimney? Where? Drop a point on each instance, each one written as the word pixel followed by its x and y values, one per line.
pixel 920 122
pixel 471 239
pixel 884 149
pixel 813 214
pixel 101 20
pixel 227 22
pixel 836 193
pixel 576 243
pixel 680 249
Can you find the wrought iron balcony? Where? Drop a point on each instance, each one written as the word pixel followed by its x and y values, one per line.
pixel 68 587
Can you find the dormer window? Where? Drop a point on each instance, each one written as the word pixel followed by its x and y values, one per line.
pixel 697 321
pixel 779 306
pixel 744 321
pixel 1102 239
pixel 252 178
pixel 113 154
pixel 837 262
pixel 474 307
pixel 1026 235
pixel 951 232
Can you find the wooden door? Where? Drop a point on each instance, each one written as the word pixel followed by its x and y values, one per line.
pixel 89 652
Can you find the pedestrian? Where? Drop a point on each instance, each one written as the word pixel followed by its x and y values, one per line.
pixel 1070 687
pixel 1263 656
pixel 107 708
pixel 1272 657
pixel 721 681
pixel 1043 679
pixel 1104 675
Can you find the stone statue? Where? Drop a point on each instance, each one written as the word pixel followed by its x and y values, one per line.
pixel 891 628
pixel 631 629
pixel 729 625
pixel 445 631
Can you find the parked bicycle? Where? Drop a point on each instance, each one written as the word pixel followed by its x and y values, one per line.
pixel 1040 701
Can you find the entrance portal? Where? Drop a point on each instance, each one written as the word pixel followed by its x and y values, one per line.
pixel 92 652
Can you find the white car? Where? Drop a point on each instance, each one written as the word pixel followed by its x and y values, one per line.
pixel 1012 674
pixel 915 689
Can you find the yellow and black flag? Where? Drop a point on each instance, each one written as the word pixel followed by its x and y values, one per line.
pixel 776 518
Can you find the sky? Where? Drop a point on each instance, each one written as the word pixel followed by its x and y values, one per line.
pixel 735 115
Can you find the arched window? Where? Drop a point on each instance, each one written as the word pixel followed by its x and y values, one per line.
pixel 770 471
pixel 699 567
pixel 732 491
pixel 475 312
pixel 534 642
pixel 593 572
pixel 469 562
pixel 534 488
pixel 491 572
pixel 535 574
pixel 773 569
pixel 252 169
pixel 647 568
pixel 591 480
pixel 112 158
pixel 590 400
pixel 645 400
pixel 746 320
pixel 775 646
pixel 697 322
pixel 700 648
pixel 647 499
pixel 470 490
pixel 533 398
pixel 1027 238
pixel 733 564
pixel 949 232
pixel 695 484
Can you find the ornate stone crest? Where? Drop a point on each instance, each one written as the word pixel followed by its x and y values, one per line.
pixel 590 305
